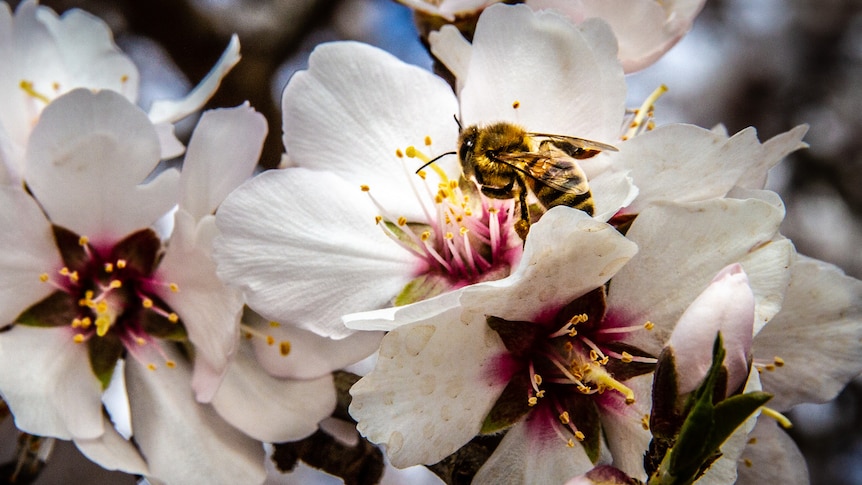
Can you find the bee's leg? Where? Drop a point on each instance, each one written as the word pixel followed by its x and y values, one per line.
pixel 522 226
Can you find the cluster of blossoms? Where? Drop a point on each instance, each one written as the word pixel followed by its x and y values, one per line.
pixel 170 322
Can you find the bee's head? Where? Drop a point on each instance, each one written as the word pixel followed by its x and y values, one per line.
pixel 466 147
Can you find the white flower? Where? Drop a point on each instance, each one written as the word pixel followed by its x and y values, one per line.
pixel 86 283
pixel 450 10
pixel 45 56
pixel 443 371
pixel 303 243
pixel 645 29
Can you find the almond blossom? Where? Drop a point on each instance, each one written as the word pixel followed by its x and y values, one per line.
pixel 93 298
pixel 443 354
pixel 351 226
pixel 45 55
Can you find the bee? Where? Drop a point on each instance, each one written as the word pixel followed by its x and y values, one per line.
pixel 507 162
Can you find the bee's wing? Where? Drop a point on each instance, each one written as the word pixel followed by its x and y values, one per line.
pixel 575 147
pixel 552 167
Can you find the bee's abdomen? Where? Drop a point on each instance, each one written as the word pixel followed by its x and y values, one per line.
pixel 551 197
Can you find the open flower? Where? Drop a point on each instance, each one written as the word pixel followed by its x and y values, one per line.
pixel 95 298
pixel 351 226
pixel 45 56
pixel 453 367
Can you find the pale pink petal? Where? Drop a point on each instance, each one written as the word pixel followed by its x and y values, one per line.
pixel 532 452
pixel 726 306
pixel 433 385
pixel 28 251
pixel 820 317
pixel 184 441
pixel 565 80
pixel 769 154
pixel 175 110
pixel 209 310
pixel 46 380
pixel 622 426
pixel 376 105
pixel 669 272
pixel 222 153
pixel 86 161
pixel 270 409
pixel 305 257
pixel 113 452
pixel 771 456
pixel 448 9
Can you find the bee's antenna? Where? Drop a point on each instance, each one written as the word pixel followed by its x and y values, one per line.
pixel 438 157
pixel 460 128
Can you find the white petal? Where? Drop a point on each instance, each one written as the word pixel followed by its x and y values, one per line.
pixel 623 428
pixel 46 380
pixel 175 110
pixel 550 274
pixel 772 458
pixel 113 452
pixel 183 441
pixel 387 319
pixel 171 146
pixel 529 454
pixel 582 89
pixel 270 409
pixel 86 159
pixel 28 251
pixel 681 248
pixel 817 333
pixel 222 153
pixel 769 154
pixel 453 50
pixel 431 389
pixel 311 356
pixel 306 257
pixel 209 310
pixel 612 190
pixel 354 107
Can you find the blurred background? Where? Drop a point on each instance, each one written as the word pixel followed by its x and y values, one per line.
pixel 772 64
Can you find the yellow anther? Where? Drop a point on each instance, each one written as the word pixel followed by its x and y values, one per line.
pixel 645 422
pixel 173 317
pixel 748 462
pixel 151 366
pixel 769 367
pixel 270 340
pixel 537 379
pixel 44 277
pixel 427 141
pixel 402 220
pixel 140 341
pixel 649 325
pixel 516 104
pixel 121 263
pixel 103 324
pixel 55 85
pixel 64 271
pixel 364 188
pixel 274 324
pixel 579 436
pixel 626 357
pixel 564 417
pixel 532 401
pixel 449 235
pixel 779 362
pixel 86 322
pixel 463 230
pixel 109 267
pixel 284 348
pixel 102 307
pixel 115 284
pixel 147 303
pixel 76 322
pixel 174 287
pixel 570 443
pixel 83 241
pixel 425 235
pixel 73 277
pixel 27 87
pixel 377 219
pixel 124 78
pixel 78 338
pixel 399 153
pixel 410 151
pixel 422 174
pixel 584 389
pixel 540 394
pixel 170 364
pixel 752 440
pixel 594 356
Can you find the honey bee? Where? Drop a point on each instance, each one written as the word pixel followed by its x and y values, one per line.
pixel 508 162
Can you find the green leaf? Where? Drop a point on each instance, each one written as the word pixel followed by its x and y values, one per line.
pixel 732 412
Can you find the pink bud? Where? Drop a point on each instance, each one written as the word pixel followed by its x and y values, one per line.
pixel 726 305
